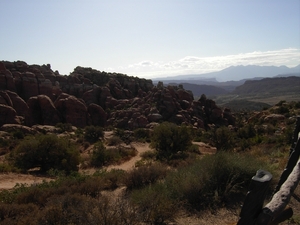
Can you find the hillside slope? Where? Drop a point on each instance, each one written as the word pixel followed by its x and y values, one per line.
pixel 276 86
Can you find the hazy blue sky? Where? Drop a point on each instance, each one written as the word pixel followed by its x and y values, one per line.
pixel 150 38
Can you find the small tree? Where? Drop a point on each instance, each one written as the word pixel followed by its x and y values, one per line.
pixel 47 152
pixel 93 133
pixel 169 139
pixel 222 138
pixel 99 156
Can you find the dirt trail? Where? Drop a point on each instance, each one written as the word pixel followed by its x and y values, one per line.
pixel 9 180
pixel 141 148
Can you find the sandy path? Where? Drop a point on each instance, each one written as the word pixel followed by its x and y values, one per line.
pixel 9 180
pixel 205 149
pixel 141 148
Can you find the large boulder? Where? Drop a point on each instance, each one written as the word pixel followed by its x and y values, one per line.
pixel 72 110
pixel 5 99
pixel 8 115
pixel 29 85
pixel 97 115
pixel 41 111
pixel 6 80
pixel 18 103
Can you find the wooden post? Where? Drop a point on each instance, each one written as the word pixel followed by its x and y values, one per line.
pixel 276 210
pixel 255 198
pixel 276 206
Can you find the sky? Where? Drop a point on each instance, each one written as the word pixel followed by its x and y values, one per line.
pixel 150 38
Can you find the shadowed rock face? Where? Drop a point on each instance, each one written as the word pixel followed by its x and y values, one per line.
pixel 33 94
pixel 41 111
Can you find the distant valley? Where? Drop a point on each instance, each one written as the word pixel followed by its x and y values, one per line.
pixel 264 86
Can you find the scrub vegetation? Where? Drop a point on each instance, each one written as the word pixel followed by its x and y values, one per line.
pixel 174 177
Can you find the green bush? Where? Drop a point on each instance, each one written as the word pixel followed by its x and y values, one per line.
pixel 5 167
pixel 170 140
pixel 63 127
pixel 102 156
pixel 93 133
pixel 212 181
pixel 99 155
pixel 125 135
pixel 46 152
pixel 142 134
pixel 222 138
pixel 154 204
pixel 18 134
pixel 144 175
pixel 246 132
pixel 4 142
pixel 149 155
pixel 114 140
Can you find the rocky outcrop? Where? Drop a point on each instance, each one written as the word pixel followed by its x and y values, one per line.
pixel 274 117
pixel 37 95
pixel 16 127
pixel 8 115
pixel 97 115
pixel 41 111
pixel 72 110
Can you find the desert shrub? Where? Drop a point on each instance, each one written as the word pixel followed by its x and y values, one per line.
pixel 142 134
pixel 222 138
pixel 144 175
pixel 288 135
pixel 282 110
pixel 6 167
pixel 79 132
pixel 99 155
pixel 91 186
pixel 102 156
pixel 114 140
pixel 4 142
pixel 213 180
pixel 151 155
pixel 248 131
pixel 18 134
pixel 154 204
pixel 11 214
pixel 46 152
pixel 125 135
pixel 194 149
pixel 170 140
pixel 93 133
pixel 297 105
pixel 115 212
pixel 114 178
pixel 69 208
pixel 64 127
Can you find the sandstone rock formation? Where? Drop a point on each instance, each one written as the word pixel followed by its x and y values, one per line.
pixel 33 94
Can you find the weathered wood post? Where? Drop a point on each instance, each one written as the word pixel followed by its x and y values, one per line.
pixel 281 198
pixel 275 211
pixel 276 206
pixel 255 198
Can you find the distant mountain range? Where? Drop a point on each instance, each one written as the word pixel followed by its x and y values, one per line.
pixel 235 76
pixel 232 73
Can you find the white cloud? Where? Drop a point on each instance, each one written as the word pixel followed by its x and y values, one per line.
pixel 196 65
